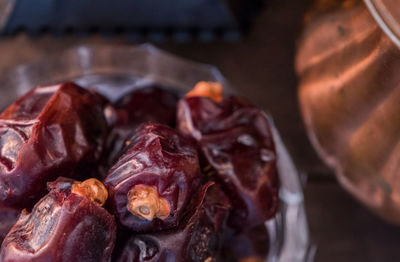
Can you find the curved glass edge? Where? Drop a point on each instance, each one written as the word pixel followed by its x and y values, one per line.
pixel 385 19
pixel 144 61
pixel 88 65
pixel 296 245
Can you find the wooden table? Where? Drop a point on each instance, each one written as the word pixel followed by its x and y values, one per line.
pixel 261 66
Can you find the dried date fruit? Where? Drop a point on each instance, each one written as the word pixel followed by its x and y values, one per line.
pixel 148 104
pixel 197 238
pixel 8 217
pixel 237 151
pixel 152 103
pixel 153 180
pixel 68 224
pixel 49 132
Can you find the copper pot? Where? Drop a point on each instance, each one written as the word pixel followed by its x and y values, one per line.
pixel 348 61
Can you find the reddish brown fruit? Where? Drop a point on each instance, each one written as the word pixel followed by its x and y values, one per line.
pixel 50 132
pixel 63 226
pixel 197 238
pixel 238 152
pixel 158 163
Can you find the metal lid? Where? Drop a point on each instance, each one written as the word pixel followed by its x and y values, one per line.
pixel 387 14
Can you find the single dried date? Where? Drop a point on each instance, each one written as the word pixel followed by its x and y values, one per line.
pixel 237 151
pixel 51 131
pixel 197 238
pixel 148 104
pixel 152 103
pixel 68 224
pixel 152 182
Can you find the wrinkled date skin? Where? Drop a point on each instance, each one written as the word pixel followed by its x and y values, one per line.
pixel 237 151
pixel 8 217
pixel 50 132
pixel 197 239
pixel 152 182
pixel 62 226
pixel 148 104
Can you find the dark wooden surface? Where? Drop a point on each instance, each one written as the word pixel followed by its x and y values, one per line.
pixel 261 67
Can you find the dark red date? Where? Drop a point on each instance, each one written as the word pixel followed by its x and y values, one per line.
pixel 148 104
pixel 237 151
pixel 197 239
pixel 8 217
pixel 51 131
pixel 153 180
pixel 68 224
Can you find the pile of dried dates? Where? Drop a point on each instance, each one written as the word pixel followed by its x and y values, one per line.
pixel 152 177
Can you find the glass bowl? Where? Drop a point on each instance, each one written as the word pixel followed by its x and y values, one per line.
pixel 114 71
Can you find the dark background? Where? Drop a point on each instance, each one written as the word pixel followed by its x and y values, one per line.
pixel 260 66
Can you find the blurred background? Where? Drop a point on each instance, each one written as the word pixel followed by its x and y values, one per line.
pixel 253 43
